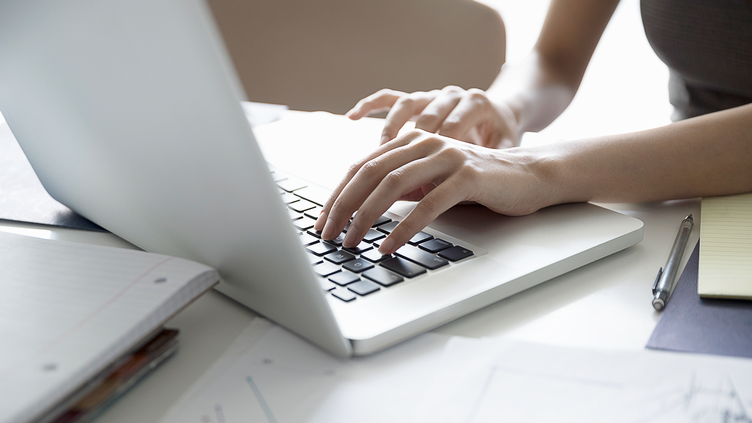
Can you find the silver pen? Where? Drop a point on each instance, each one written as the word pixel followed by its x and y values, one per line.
pixel 664 282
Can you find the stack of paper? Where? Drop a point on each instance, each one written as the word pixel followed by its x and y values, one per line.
pixel 269 375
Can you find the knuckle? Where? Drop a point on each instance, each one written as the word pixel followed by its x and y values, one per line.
pixel 475 94
pixel 450 125
pixel 354 168
pixel 393 179
pixel 452 89
pixel 452 155
pixel 430 142
pixel 369 169
pixel 415 134
pixel 383 92
pixel 407 102
pixel 427 119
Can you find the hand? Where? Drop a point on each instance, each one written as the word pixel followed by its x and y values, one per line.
pixel 436 171
pixel 453 112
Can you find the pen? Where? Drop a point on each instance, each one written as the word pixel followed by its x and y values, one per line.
pixel 664 282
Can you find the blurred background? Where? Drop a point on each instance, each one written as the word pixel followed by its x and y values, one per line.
pixel 327 54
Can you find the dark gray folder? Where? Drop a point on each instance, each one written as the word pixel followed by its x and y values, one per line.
pixel 702 325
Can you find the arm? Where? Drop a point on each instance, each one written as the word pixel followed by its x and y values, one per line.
pixel 525 97
pixel 704 156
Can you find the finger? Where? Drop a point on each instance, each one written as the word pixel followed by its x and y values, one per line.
pixel 379 101
pixel 354 191
pixel 472 109
pixel 439 200
pixel 436 112
pixel 504 132
pixel 351 172
pixel 403 110
pixel 398 182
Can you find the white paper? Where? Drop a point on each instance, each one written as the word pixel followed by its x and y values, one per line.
pixel 496 381
pixel 270 375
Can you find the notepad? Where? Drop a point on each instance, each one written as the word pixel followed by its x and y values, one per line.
pixel 68 310
pixel 725 269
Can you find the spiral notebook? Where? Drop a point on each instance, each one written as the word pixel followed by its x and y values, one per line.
pixel 68 310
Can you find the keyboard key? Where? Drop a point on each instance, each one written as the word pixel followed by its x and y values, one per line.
pixel 314 259
pixel 294 215
pixel 387 228
pixel 339 257
pixel 344 278
pixel 321 248
pixel 403 267
pixel 363 287
pixel 380 221
pixel 358 265
pixel 374 256
pixel 291 184
pixel 347 226
pixel 314 194
pixel 373 235
pixel 307 239
pixel 314 212
pixel 288 198
pixel 326 285
pixel 435 245
pixel 336 241
pixel 455 253
pixel 343 294
pixel 325 269
pixel 301 206
pixel 420 257
pixel 360 248
pixel 316 234
pixel 419 237
pixel 304 223
pixel 382 276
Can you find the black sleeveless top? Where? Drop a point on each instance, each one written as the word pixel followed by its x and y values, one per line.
pixel 707 45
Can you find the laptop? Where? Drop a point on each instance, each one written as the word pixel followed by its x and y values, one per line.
pixel 129 112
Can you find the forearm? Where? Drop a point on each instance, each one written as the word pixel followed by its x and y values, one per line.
pixel 705 156
pixel 539 88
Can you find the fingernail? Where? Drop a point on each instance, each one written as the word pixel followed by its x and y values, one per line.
pixel 349 240
pixel 319 224
pixel 386 246
pixel 328 231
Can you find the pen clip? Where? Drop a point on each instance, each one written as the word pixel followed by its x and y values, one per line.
pixel 657 278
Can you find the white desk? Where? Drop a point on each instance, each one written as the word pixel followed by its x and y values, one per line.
pixel 605 304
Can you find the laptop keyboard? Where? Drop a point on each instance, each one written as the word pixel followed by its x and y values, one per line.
pixel 350 273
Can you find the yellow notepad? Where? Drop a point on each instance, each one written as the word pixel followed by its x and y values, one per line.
pixel 726 247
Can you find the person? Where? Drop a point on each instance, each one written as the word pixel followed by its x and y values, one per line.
pixel 465 145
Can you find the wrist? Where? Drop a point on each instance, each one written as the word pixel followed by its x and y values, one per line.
pixel 560 177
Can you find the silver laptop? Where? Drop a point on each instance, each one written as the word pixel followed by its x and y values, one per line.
pixel 129 112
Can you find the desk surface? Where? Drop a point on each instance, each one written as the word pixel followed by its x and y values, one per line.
pixel 605 304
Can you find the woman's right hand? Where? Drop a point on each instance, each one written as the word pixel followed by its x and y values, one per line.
pixel 466 115
pixel 437 172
